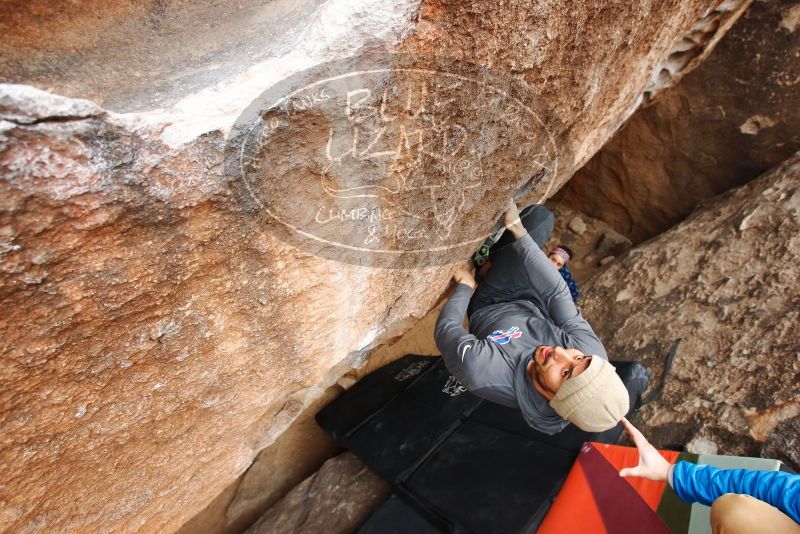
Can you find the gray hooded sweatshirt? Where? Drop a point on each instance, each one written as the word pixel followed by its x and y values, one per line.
pixel 531 306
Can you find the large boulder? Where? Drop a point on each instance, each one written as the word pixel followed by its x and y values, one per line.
pixel 157 332
pixel 724 282
pixel 336 499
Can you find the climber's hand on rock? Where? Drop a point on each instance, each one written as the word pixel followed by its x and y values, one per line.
pixel 512 221
pixel 652 465
pixel 464 276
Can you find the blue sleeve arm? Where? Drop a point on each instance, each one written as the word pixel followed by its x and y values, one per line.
pixel 705 483
pixel 573 287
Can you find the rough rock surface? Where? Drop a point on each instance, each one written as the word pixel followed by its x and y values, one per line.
pixel 156 334
pixel 154 340
pixel 728 121
pixel 542 43
pixel 297 453
pixel 784 443
pixel 302 448
pixel 335 499
pixel 725 282
pixel 195 68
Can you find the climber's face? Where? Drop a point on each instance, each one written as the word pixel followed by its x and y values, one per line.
pixel 552 366
pixel 557 260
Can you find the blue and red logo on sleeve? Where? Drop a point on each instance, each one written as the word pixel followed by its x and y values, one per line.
pixel 498 336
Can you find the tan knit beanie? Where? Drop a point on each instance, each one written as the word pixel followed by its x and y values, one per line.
pixel 595 400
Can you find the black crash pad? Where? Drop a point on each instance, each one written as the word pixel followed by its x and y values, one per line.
pixel 491 481
pixel 369 394
pixel 396 516
pixel 409 426
pixel 458 463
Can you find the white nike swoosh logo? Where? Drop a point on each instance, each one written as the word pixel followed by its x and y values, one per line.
pixel 463 351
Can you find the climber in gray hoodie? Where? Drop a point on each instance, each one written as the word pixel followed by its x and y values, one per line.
pixel 528 347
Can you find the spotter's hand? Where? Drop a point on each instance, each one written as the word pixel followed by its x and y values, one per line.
pixel 652 465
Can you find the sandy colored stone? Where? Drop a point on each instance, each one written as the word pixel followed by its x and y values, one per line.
pixel 335 499
pixel 156 333
pixel 577 225
pixel 724 281
pixel 755 124
pixel 728 121
pixel 700 445
pixel 612 242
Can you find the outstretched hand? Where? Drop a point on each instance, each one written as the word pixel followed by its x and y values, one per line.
pixel 512 221
pixel 652 465
pixel 464 276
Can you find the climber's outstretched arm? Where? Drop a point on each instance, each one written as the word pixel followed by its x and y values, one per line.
pixel 477 363
pixel 551 289
pixel 542 276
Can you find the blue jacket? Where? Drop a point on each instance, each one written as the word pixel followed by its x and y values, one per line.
pixel 573 287
pixel 705 483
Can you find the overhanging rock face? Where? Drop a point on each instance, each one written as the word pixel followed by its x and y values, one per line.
pixel 722 126
pixel 156 330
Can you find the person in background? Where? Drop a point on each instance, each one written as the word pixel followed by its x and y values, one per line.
pixel 741 500
pixel 559 256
